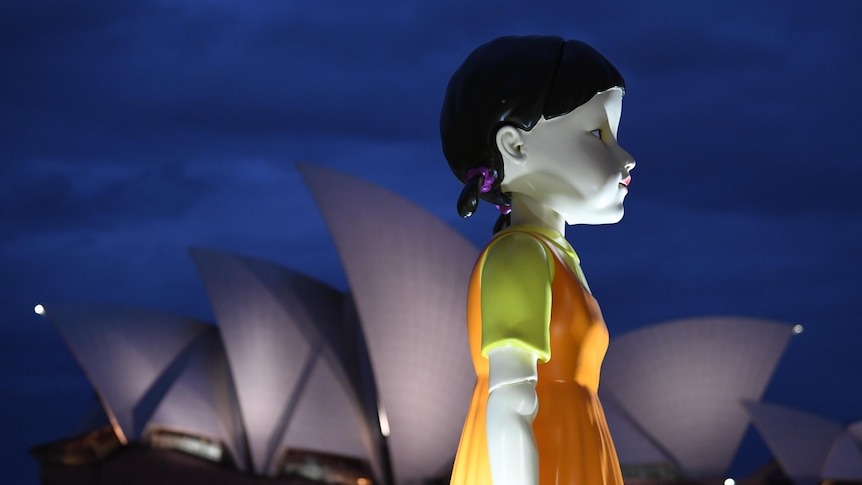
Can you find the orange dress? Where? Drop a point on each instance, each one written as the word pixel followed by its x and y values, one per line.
pixel 572 438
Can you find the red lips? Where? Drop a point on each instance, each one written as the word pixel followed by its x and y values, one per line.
pixel 626 181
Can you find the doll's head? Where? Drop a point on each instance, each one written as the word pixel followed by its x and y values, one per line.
pixel 513 81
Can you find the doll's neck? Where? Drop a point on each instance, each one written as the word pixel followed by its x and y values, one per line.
pixel 527 210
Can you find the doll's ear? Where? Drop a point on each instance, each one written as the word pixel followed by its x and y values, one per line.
pixel 510 143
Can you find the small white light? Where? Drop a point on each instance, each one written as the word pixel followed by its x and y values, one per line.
pixel 39 309
pixel 729 481
pixel 797 329
pixel 384 421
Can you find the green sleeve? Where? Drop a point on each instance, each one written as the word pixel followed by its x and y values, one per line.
pixel 517 272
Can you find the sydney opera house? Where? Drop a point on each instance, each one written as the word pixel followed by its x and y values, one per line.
pixel 297 382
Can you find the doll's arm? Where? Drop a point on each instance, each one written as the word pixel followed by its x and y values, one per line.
pixel 516 298
pixel 512 405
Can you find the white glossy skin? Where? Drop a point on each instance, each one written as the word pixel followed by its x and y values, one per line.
pixel 512 405
pixel 565 165
pixel 568 169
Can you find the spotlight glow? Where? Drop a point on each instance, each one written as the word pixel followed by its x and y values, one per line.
pixel 39 309
pixel 797 329
pixel 384 421
pixel 730 481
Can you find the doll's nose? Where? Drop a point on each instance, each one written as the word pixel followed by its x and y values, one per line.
pixel 627 161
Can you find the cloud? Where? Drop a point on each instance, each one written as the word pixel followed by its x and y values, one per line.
pixel 164 68
pixel 52 197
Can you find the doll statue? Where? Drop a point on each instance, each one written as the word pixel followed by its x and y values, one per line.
pixel 530 125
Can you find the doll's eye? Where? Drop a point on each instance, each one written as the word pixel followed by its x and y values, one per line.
pixel 597 133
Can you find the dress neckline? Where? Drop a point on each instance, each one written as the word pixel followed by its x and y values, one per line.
pixel 565 249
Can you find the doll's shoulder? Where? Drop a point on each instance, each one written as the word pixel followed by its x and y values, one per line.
pixel 518 242
pixel 518 252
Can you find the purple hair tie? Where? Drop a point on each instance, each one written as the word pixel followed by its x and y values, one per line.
pixel 504 209
pixel 487 178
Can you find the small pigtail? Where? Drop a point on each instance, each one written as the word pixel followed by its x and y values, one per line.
pixel 504 221
pixel 468 201
pixel 479 181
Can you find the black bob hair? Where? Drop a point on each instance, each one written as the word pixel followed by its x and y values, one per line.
pixel 513 81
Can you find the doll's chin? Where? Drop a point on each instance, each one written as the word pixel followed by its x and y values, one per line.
pixel 595 219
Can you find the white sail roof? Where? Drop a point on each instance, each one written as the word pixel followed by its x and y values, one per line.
pixel 855 431
pixel 408 272
pixel 327 417
pixel 844 461
pixel 682 383
pixel 274 324
pixel 130 356
pixel 800 441
pixel 633 445
pixel 202 400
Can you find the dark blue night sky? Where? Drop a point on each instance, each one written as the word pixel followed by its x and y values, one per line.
pixel 130 131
